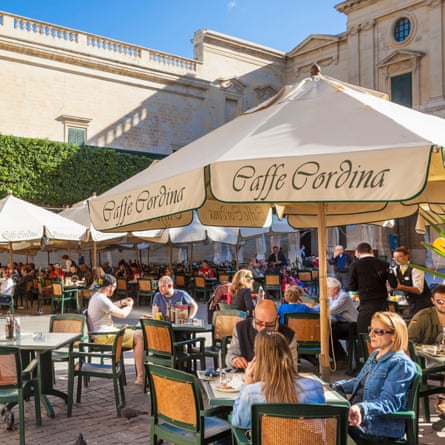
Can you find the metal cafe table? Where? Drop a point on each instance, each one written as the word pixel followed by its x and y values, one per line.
pixel 42 344
pixel 226 395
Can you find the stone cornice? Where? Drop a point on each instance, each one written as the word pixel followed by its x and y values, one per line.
pixel 70 60
pixel 324 39
pixel 205 36
pixel 348 5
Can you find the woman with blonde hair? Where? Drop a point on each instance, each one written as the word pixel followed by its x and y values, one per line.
pixel 383 383
pixel 241 290
pixel 271 377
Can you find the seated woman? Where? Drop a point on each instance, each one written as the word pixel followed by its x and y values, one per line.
pixel 271 377
pixel 241 290
pixel 294 297
pixel 382 385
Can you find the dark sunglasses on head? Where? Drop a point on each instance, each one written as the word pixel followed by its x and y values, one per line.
pixel 378 332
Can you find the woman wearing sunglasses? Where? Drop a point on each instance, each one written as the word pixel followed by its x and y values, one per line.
pixel 382 385
pixel 241 290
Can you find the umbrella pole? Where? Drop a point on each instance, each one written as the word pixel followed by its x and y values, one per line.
pixel 171 254
pixel 191 259
pixel 10 252
pixel 324 310
pixel 94 254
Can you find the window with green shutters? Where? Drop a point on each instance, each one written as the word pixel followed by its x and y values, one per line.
pixel 77 136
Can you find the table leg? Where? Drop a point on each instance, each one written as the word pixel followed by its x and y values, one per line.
pixel 46 378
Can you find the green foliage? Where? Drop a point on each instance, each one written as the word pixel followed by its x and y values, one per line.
pixel 56 174
pixel 437 246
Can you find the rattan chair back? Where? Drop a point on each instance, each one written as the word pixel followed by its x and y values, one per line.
pixel 299 424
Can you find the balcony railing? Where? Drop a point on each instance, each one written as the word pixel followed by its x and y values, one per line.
pixel 37 32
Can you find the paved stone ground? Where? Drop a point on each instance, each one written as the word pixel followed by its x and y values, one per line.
pixel 95 417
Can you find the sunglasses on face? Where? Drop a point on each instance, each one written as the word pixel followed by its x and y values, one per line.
pixel 378 332
pixel 439 301
pixel 267 325
pixel 248 277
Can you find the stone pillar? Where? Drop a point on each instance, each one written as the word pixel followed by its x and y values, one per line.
pixel 436 41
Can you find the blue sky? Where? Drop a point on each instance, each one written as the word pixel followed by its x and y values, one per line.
pixel 168 25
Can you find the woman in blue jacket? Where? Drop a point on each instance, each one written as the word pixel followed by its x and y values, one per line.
pixel 382 385
pixel 271 377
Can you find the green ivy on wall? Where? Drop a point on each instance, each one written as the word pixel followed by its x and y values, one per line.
pixel 56 174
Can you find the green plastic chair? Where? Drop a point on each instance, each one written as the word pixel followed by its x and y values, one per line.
pixel 223 324
pixel 177 410
pixel 104 361
pixel 75 323
pixel 427 389
pixel 306 326
pixel 122 288
pixel 60 295
pixel 161 348
pixel 17 385
pixel 145 291
pixel 7 301
pixel 295 424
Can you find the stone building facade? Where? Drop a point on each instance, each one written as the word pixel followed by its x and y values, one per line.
pixel 66 85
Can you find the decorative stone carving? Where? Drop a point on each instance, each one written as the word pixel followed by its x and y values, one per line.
pixel 232 85
pixel 264 93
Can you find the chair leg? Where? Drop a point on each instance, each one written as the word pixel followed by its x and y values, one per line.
pixel 121 385
pixel 79 389
pixel 22 419
pixel 37 405
pixel 116 394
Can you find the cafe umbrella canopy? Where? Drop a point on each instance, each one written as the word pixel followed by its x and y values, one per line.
pixel 80 214
pixel 323 152
pixel 26 226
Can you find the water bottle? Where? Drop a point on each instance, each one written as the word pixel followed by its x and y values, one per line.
pixel 17 328
pixel 7 323
pixel 260 294
pixel 9 327
pixel 167 314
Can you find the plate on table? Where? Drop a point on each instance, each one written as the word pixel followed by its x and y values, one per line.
pixel 431 350
pixel 226 388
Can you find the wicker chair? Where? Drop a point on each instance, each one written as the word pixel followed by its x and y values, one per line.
pixel 16 386
pixel 272 283
pixel 60 295
pixel 202 287
pixel 108 364
pixel 306 326
pixel 122 288
pixel 223 324
pixel 74 323
pixel 162 349
pixel 145 290
pixel 295 424
pixel 177 410
pixel 427 389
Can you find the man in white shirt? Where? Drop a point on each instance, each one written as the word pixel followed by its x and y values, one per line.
pixel 100 311
pixel 411 282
